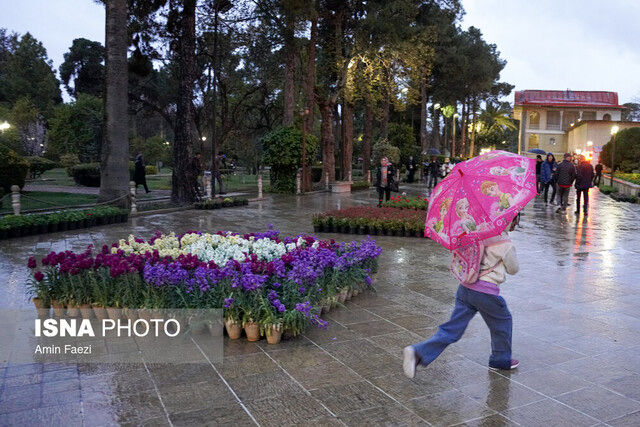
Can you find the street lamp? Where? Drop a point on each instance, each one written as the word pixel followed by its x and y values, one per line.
pixel 4 126
pixel 614 130
pixel 589 143
pixel 204 138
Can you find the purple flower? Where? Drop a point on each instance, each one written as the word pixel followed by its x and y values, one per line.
pixel 304 308
pixel 228 302
pixel 302 290
pixel 368 280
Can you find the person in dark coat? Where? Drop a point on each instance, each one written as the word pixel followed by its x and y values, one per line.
pixel 385 176
pixel 539 174
pixel 548 176
pixel 584 181
pixel 140 174
pixel 434 172
pixel 566 176
pixel 598 177
pixel 411 168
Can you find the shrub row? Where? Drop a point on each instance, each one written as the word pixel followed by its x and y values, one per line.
pixel 26 225
pixel 416 203
pixel 370 220
pixel 218 202
pixel 88 174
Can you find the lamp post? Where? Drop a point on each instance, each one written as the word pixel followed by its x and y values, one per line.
pixel 614 130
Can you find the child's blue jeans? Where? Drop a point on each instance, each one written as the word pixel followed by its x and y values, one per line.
pixel 495 313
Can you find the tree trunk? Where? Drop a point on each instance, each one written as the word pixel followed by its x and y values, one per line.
pixel 423 114
pixel 347 139
pixel 289 69
pixel 114 165
pixel 184 177
pixel 327 140
pixel 308 117
pixel 436 129
pixel 463 128
pixel 367 136
pixel 473 129
pixel 384 121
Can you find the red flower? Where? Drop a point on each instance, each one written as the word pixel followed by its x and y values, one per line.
pixel 38 276
pixel 32 262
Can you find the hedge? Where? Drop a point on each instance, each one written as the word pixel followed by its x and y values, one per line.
pixel 13 169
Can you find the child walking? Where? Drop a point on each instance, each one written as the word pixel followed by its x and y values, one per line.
pixel 483 296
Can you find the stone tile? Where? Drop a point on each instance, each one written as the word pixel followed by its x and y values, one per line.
pixel 501 394
pixel 212 393
pixel 288 409
pixel 324 374
pixel 350 314
pixel 630 420
pixel 136 407
pixel 592 370
pixel 230 415
pixel 59 415
pixel 496 420
pixel 600 403
pixel 260 386
pixel 301 357
pixel 548 413
pixel 403 389
pixel 449 407
pixel 394 343
pixel 23 369
pixel 333 333
pixel 341 399
pixel 61 397
pixel 174 374
pixel 628 386
pixel 151 422
pixel 550 382
pixel 388 415
pixel 415 322
pixel 374 328
pixel 251 364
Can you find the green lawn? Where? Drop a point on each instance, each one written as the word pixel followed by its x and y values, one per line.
pixel 57 176
pixel 47 200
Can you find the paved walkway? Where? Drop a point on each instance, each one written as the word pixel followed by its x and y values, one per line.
pixel 576 332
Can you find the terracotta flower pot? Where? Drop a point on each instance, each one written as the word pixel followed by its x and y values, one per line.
pixel 113 313
pixel 58 308
pixel 86 311
pixel 252 330
pixel 234 330
pixel 100 313
pixel 42 309
pixel 342 296
pixel 274 335
pixel 73 310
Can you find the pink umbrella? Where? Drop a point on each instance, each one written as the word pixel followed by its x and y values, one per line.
pixel 479 198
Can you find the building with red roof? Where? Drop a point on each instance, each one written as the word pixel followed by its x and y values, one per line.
pixel 550 119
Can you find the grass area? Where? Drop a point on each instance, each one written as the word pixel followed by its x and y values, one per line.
pixel 57 176
pixel 47 200
pixel 629 177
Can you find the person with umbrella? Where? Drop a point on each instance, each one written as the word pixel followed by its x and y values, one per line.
pixel 483 255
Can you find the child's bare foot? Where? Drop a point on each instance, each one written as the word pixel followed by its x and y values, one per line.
pixel 410 362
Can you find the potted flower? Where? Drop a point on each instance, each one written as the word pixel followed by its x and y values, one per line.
pixel 317 220
pixel 232 316
pixel 353 225
pixel 226 202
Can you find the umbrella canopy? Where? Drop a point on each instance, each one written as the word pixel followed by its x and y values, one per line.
pixel 433 152
pixel 479 198
pixel 537 151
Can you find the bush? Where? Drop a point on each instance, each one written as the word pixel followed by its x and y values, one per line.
pixel 13 169
pixel 382 149
pixel 68 161
pixel 283 152
pixel 627 154
pixel 87 174
pixel 624 198
pixel 606 189
pixel 359 185
pixel 39 165
pixel 401 135
pixel 630 177
pixel 151 170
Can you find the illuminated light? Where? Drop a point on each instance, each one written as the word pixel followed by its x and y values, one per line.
pixel 571 124
pixel 590 143
pixel 578 151
pixel 614 129
pixel 204 138
pixel 4 126
pixel 436 106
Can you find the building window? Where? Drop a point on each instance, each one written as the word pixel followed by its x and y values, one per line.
pixel 552 141
pixel 553 120
pixel 534 120
pixel 606 117
pixel 588 115
pixel 534 141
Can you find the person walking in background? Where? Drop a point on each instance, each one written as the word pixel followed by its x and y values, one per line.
pixel 411 168
pixel 434 172
pixel 216 174
pixel 539 174
pixel 196 165
pixel 446 167
pixel 566 176
pixel 598 177
pixel 140 173
pixel 548 176
pixel 385 176
pixel 584 180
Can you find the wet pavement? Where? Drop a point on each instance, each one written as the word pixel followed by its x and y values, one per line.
pixel 575 305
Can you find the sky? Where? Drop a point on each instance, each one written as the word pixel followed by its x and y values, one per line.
pixel 548 44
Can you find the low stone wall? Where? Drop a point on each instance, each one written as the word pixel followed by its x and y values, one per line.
pixel 623 187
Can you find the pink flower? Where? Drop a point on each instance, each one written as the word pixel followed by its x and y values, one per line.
pixel 32 262
pixel 38 276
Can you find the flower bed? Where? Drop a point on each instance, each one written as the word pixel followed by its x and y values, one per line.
pixel 403 202
pixel 371 220
pixel 219 202
pixel 261 281
pixel 26 225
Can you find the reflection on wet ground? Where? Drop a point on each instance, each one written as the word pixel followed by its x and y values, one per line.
pixel 576 314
